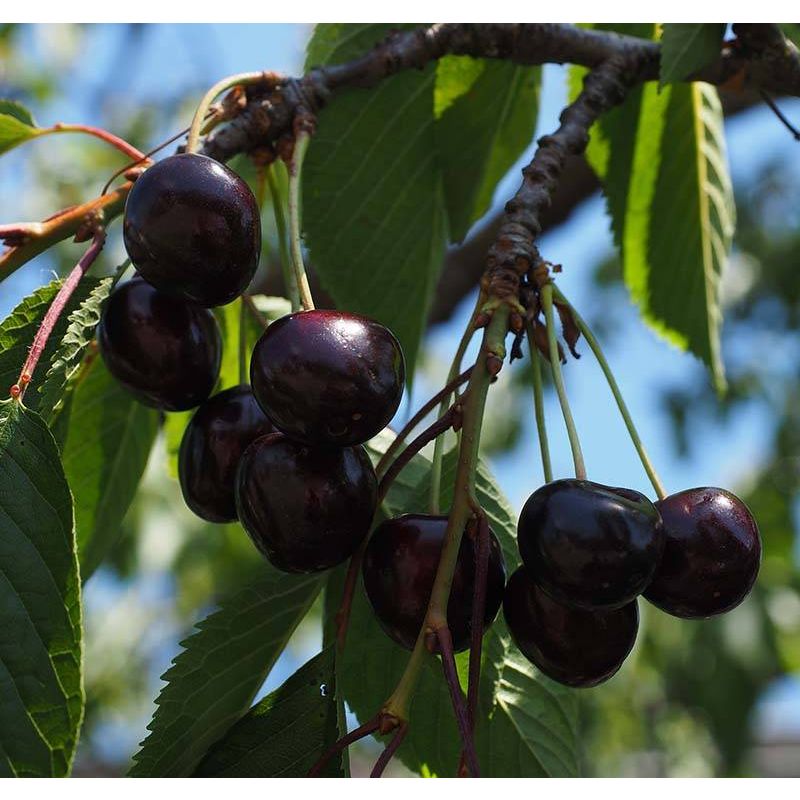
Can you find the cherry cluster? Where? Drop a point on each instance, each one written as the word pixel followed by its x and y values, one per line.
pixel 284 455
pixel 588 551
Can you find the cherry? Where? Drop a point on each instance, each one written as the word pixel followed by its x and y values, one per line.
pixel 165 350
pixel 573 646
pixel 399 568
pixel 328 377
pixel 305 508
pixel 211 447
pixel 588 545
pixel 192 227
pixel 711 555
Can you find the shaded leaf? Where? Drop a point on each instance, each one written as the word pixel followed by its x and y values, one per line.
pixel 284 734
pixel 212 682
pixel 107 438
pixel 67 358
pixel 481 134
pixel 41 691
pixel 373 211
pixel 13 108
pixel 18 329
pixel 687 47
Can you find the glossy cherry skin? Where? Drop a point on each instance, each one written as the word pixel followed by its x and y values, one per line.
pixel 399 568
pixel 305 508
pixel 213 442
pixel 588 545
pixel 165 350
pixel 328 377
pixel 711 555
pixel 192 227
pixel 573 646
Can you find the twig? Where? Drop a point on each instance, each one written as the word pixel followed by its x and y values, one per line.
pixel 779 114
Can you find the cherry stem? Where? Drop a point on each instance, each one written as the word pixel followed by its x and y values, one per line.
pixel 558 380
pixel 478 610
pixel 348 592
pixel 349 738
pixel 253 309
pixel 389 751
pixel 242 79
pixel 244 372
pixel 445 641
pixel 54 312
pixel 108 137
pixel 538 404
pixel 594 345
pixel 437 428
pixel 289 281
pixel 423 412
pixel 295 243
pixel 438 450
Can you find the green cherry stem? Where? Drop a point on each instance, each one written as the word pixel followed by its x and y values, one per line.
pixel 558 380
pixel 538 404
pixel 591 340
pixel 455 367
pixel 295 176
pixel 242 79
pixel 289 281
pixel 244 377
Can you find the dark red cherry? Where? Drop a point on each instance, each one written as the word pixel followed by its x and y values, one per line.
pixel 711 555
pixel 588 545
pixel 305 508
pixel 163 349
pixel 328 377
pixel 400 565
pixel 192 227
pixel 214 440
pixel 573 646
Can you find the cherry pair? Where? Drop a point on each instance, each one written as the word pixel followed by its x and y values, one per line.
pixel 589 550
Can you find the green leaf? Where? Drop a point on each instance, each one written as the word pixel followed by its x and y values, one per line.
pixel 271 308
pixel 41 689
pixel 16 125
pixel 18 329
pixel 212 682
pixel 482 133
pixel 106 443
pixel 661 157
pixel 687 47
pixel 373 210
pixel 527 724
pixel 284 734
pixel 67 358
pixel 12 108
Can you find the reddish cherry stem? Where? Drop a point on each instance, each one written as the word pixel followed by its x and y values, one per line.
pixel 358 733
pixel 106 136
pixel 476 642
pixel 54 312
pixel 348 592
pixel 436 428
pixel 457 698
pixel 389 751
pixel 420 415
